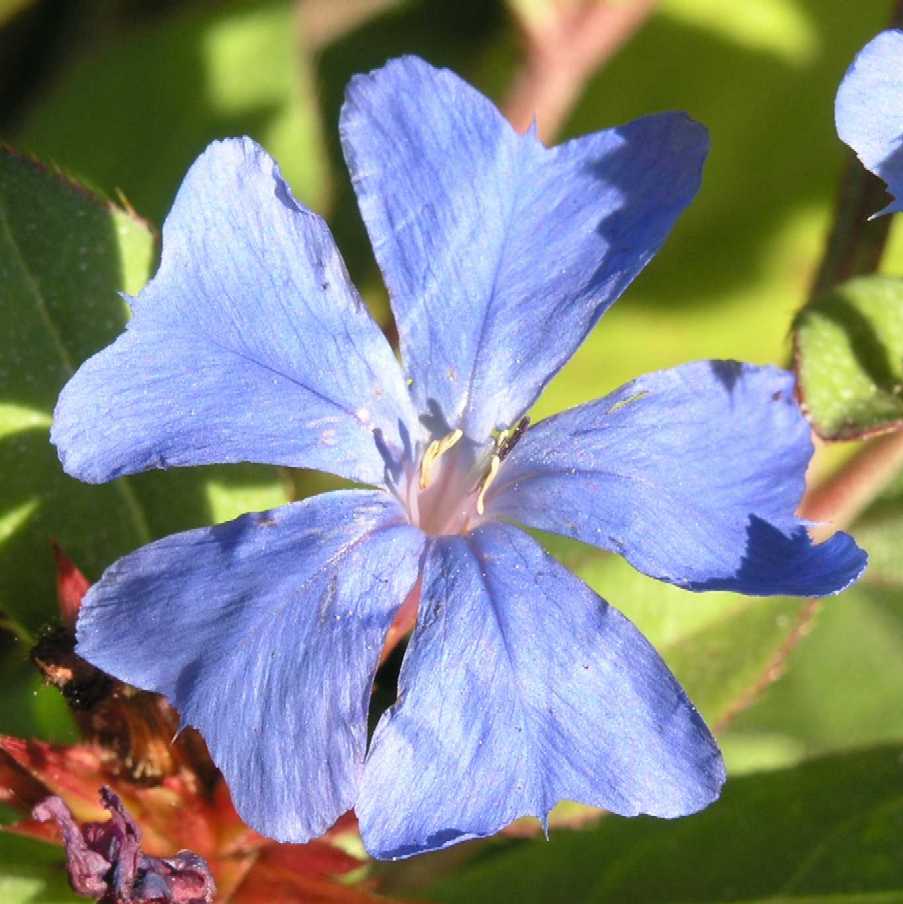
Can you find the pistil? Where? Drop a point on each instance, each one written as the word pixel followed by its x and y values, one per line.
pixel 449 495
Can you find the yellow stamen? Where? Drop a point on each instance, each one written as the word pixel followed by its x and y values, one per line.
pixel 434 451
pixel 494 464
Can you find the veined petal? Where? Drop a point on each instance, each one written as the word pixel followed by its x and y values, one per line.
pixel 521 688
pixel 265 634
pixel 250 344
pixel 868 110
pixel 499 254
pixel 692 474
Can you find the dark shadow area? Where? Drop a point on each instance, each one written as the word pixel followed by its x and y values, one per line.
pixel 726 373
pixel 32 44
pixel 385 686
pixel 46 35
pixel 775 563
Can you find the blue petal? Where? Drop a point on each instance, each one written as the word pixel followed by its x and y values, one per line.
pixel 499 254
pixel 869 110
pixel 522 688
pixel 692 474
pixel 250 344
pixel 265 633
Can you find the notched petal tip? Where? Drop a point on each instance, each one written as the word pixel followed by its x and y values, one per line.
pixel 868 110
pixel 618 733
pixel 249 344
pixel 705 501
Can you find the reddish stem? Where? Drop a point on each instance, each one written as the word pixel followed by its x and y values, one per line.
pixel 841 498
pixel 563 51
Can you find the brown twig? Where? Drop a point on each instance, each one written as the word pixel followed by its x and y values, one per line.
pixel 564 48
pixel 775 667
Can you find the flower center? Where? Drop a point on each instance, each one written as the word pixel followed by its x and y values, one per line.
pixel 447 494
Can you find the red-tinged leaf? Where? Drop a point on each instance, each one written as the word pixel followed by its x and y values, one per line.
pixel 270 881
pixel 71 586
pixel 172 816
pixel 31 828
pixel 234 838
pixel 317 859
pixel 74 773
pixel 18 787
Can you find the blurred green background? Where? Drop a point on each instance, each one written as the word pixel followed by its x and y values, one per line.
pixel 122 95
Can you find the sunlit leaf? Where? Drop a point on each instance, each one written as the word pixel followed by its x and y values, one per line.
pixel 849 355
pixel 842 687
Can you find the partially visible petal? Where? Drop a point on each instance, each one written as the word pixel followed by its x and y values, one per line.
pixel 521 688
pixel 868 111
pixel 250 344
pixel 86 867
pixel 692 474
pixel 499 254
pixel 104 859
pixel 118 839
pixel 265 634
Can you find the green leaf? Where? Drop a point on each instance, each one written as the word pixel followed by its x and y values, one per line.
pixel 29 707
pixel 830 827
pixel 849 357
pixel 32 872
pixel 134 114
pixel 64 254
pixel 842 687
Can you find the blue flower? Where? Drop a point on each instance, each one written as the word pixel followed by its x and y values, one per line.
pixel 520 685
pixel 869 111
